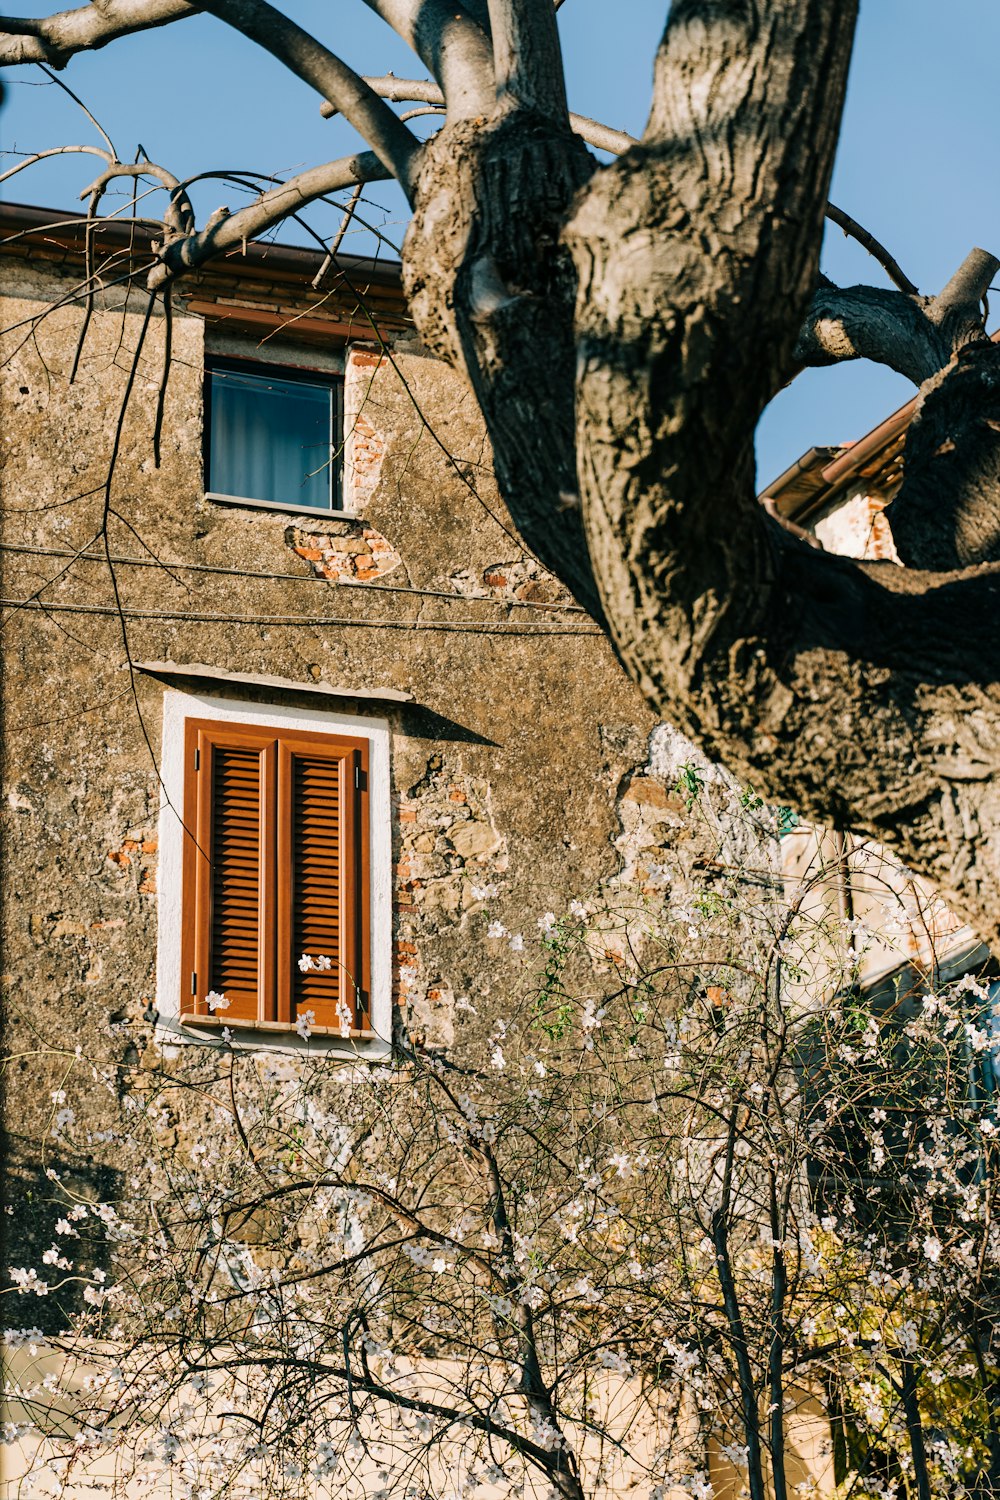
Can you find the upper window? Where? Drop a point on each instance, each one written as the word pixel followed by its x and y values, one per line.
pixel 275 923
pixel 273 436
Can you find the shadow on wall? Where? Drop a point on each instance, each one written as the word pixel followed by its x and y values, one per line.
pixel 41 1195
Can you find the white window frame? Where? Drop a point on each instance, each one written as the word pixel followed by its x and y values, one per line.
pixel 178 707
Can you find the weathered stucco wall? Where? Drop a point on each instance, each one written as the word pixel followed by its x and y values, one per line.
pixel 517 770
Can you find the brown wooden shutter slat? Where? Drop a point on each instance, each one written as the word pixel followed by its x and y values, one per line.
pixel 319 907
pixel 234 930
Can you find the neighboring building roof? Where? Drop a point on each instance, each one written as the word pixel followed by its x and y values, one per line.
pixel 254 287
pixel 822 475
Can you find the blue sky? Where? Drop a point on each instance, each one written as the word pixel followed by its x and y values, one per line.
pixel 917 161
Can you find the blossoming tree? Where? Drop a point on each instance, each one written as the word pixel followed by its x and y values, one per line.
pixel 689 1204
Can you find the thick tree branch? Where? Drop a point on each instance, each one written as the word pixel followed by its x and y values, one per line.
pixel 946 514
pixel 862 322
pixel 388 137
pixel 450 43
pixel 686 329
pixel 54 39
pixel 491 290
pixel 528 57
pixel 232 230
pixel 959 310
pixel 965 291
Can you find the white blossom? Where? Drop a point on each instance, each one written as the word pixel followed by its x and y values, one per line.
pixel 28 1280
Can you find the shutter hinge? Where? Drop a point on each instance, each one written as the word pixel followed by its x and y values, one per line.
pixel 194 983
pixel 360 779
pixel 197 760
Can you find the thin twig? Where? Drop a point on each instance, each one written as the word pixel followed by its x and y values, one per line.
pixel 77 100
pixel 161 394
pixel 856 231
pixel 338 238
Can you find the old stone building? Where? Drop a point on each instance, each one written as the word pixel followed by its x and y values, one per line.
pixel 383 597
pixel 299 741
pixel 301 746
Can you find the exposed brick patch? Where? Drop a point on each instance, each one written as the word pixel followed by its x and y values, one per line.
pixel 522 580
pixel 137 854
pixel 448 849
pixel 858 528
pixel 364 359
pixel 348 549
pixel 364 444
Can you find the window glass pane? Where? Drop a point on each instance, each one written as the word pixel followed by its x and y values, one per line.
pixel 271 439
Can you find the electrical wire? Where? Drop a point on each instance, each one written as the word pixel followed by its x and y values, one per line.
pixel 381 588
pixel 475 627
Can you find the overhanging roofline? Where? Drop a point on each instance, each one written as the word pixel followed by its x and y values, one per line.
pixel 821 474
pixel 64 230
pixel 252 287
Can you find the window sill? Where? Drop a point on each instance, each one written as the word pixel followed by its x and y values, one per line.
pixel 241 502
pixel 279 1028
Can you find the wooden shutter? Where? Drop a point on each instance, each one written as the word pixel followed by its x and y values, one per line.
pixel 230 880
pixel 276 865
pixel 322 906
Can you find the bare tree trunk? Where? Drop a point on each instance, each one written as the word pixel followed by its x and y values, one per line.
pixel 776 1351
pixel 741 1353
pixel 865 696
pixel 915 1429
